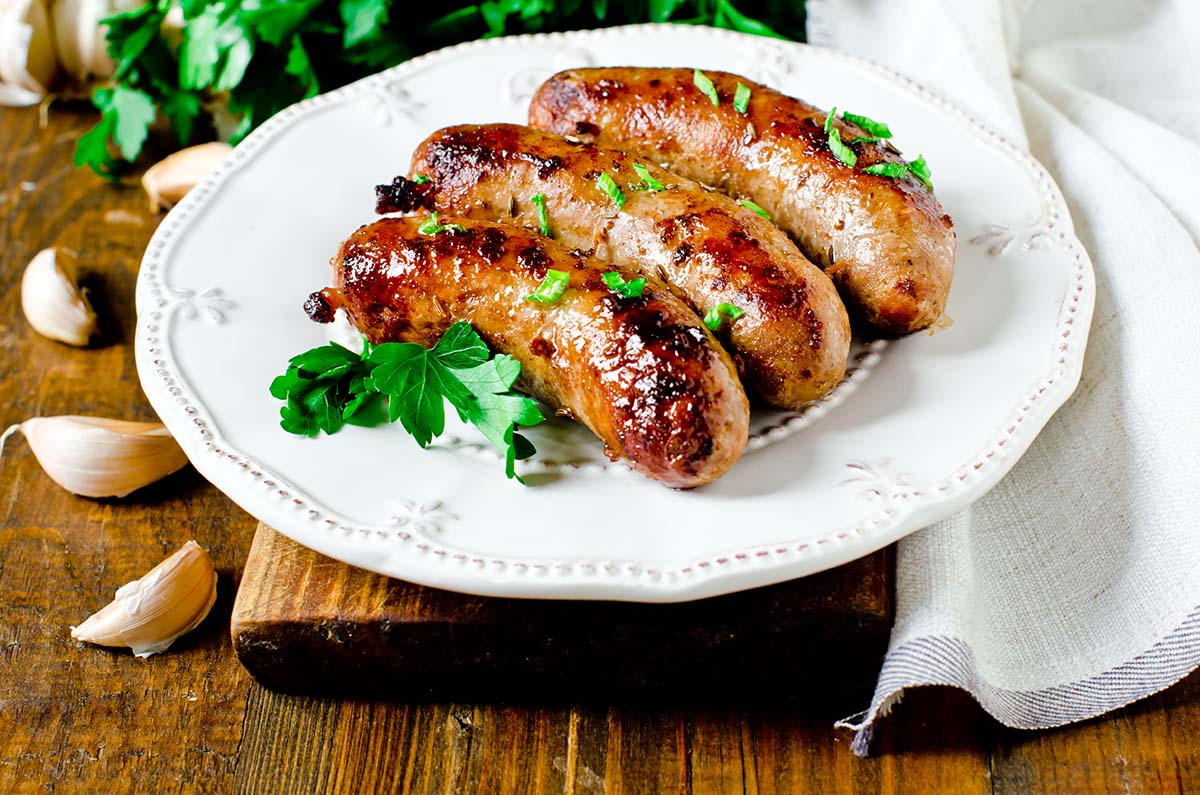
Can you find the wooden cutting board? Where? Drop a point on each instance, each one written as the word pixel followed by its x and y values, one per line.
pixel 308 624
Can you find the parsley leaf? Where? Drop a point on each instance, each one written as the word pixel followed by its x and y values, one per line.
pixel 864 139
pixel 421 179
pixel 648 181
pixel 552 287
pixel 539 201
pixel 631 289
pixel 609 186
pixel 875 128
pixel 328 387
pixel 893 170
pixel 363 19
pixel 701 81
pixel 712 318
pixel 749 205
pixel 125 117
pixel 840 150
pixel 741 99
pixel 432 227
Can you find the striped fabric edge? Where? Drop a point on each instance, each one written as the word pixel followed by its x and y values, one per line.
pixel 944 660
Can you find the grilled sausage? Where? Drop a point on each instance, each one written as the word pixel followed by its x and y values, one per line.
pixel 644 374
pixel 887 243
pixel 792 343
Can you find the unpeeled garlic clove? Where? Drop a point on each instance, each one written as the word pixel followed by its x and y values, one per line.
pixel 98 457
pixel 28 67
pixel 52 301
pixel 167 181
pixel 150 613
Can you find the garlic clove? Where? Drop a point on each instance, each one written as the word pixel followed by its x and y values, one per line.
pixel 28 68
pixel 168 180
pixel 150 613
pixel 97 457
pixel 79 38
pixel 52 301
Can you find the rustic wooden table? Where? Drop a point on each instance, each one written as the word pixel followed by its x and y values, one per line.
pixel 81 719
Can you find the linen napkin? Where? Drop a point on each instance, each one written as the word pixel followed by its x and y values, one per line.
pixel 1073 588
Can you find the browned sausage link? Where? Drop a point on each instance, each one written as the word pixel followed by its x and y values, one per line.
pixel 792 343
pixel 886 242
pixel 642 373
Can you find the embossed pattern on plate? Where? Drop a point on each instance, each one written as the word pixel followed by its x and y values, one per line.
pixel 920 427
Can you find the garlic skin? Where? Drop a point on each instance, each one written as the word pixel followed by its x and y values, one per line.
pixel 79 37
pixel 28 67
pixel 52 301
pixel 167 181
pixel 150 613
pixel 98 457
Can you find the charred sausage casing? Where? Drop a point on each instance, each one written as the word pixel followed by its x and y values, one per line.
pixel 887 243
pixel 790 346
pixel 644 374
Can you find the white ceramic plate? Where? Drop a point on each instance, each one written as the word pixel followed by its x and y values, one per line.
pixel 920 428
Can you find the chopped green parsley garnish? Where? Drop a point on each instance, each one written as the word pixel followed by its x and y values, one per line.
pixel 829 117
pixel 749 205
pixel 617 283
pixel 706 86
pixel 875 128
pixel 539 201
pixel 741 99
pixel 432 227
pixel 712 318
pixel 920 170
pixel 648 182
pixel 840 150
pixel 551 288
pixel 606 183
pixel 329 387
pixel 893 170
pixel 421 179
pixel 864 139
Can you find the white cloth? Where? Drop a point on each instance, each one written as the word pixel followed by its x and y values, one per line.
pixel 1072 588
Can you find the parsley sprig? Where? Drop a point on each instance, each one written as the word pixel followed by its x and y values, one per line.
pixel 328 387
pixel 235 63
pixel 713 317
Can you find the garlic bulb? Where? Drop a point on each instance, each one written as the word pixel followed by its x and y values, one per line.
pixel 148 614
pixel 79 36
pixel 52 301
pixel 28 68
pixel 97 457
pixel 168 180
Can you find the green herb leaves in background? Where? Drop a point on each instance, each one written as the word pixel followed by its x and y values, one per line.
pixel 329 387
pixel 232 64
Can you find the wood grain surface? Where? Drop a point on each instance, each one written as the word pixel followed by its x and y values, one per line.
pixel 75 718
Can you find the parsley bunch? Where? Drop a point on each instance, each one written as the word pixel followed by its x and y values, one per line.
pixel 235 63
pixel 330 386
